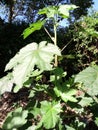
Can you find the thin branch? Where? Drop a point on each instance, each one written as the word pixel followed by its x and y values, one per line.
pixel 49 34
pixel 18 10
pixel 66 44
pixel 55 43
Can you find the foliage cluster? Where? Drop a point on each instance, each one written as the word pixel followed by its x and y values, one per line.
pixel 84 43
pixel 57 103
pixel 28 9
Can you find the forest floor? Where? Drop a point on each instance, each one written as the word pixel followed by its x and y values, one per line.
pixel 9 99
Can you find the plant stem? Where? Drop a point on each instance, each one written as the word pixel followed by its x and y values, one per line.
pixel 67 44
pixel 49 34
pixel 55 43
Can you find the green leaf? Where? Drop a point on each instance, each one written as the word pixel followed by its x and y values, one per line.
pixel 33 27
pixel 50 11
pixel 65 93
pixel 69 128
pixel 92 32
pixel 50 112
pixel 6 83
pixel 15 119
pixel 31 128
pixel 16 89
pixel 36 73
pixel 59 73
pixel 96 121
pixel 69 95
pixel 33 54
pixel 35 111
pixel 89 77
pixel 86 101
pixel 64 10
pixel 32 93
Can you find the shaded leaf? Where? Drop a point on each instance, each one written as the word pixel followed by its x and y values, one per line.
pixel 15 119
pixel 96 121
pixel 65 93
pixel 69 128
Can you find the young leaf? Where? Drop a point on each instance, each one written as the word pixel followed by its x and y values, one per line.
pixel 64 10
pixel 50 11
pixel 33 27
pixel 89 77
pixel 15 119
pixel 29 56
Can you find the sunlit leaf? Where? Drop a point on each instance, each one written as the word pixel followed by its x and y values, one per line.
pixel 92 32
pixel 50 113
pixel 36 73
pixel 6 83
pixel 89 77
pixel 64 10
pixel 33 127
pixel 86 101
pixel 33 54
pixel 50 11
pixel 33 27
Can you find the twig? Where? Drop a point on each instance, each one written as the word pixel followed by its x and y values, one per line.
pixel 66 44
pixel 49 34
pixel 18 10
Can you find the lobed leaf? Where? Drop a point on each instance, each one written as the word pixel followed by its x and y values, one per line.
pixel 89 78
pixel 33 54
pixel 50 112
pixel 33 27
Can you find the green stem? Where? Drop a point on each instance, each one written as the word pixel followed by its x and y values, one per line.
pixel 55 43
